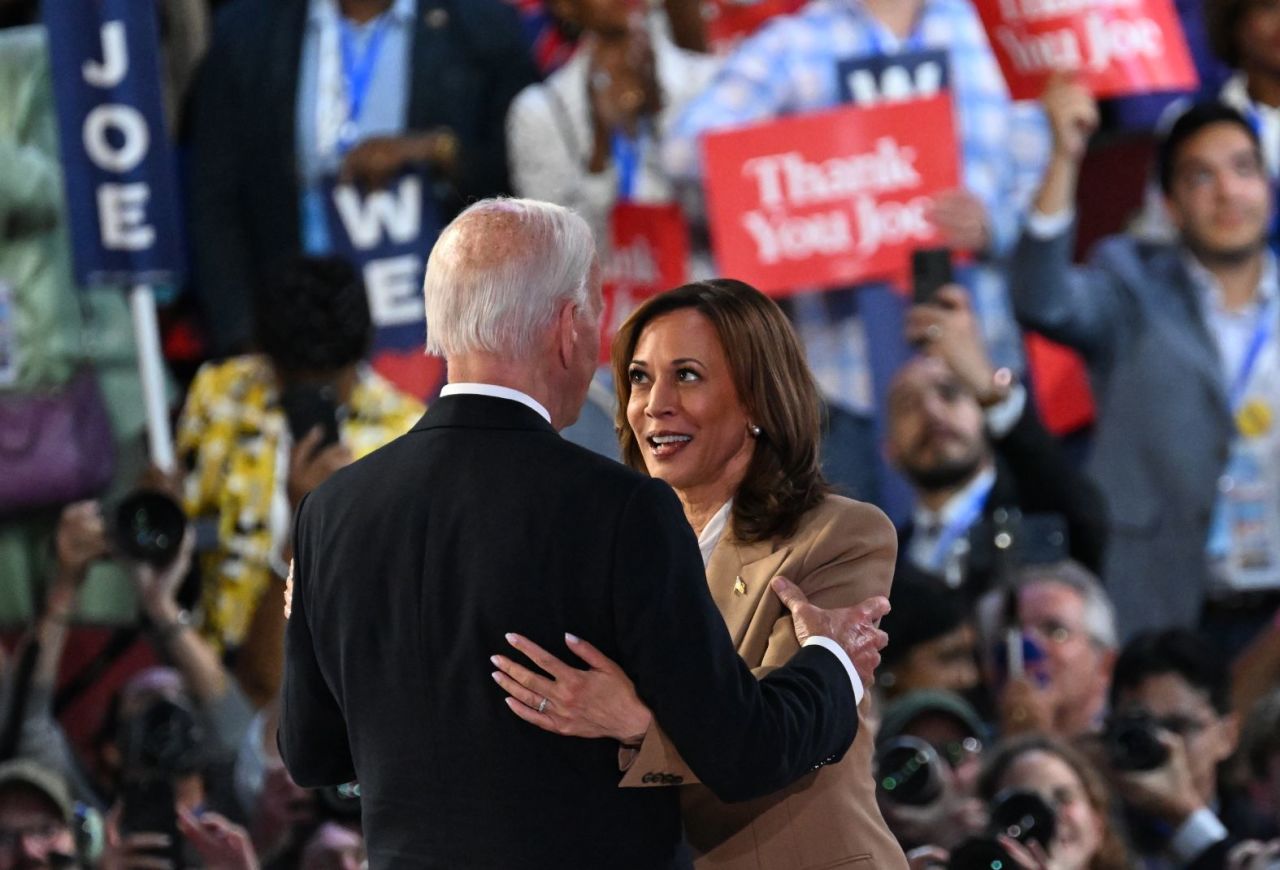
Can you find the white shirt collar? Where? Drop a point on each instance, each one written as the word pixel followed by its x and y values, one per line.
pixel 1210 292
pixel 494 391
pixel 713 532
pixel 321 12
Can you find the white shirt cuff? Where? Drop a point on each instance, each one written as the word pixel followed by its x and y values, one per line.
pixel 1200 831
pixel 1049 226
pixel 1005 414
pixel 838 652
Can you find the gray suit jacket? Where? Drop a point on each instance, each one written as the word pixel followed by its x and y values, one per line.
pixel 1164 426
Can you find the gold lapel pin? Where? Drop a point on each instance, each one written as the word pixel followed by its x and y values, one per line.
pixel 739 588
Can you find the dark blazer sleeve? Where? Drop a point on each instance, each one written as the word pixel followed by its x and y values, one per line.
pixel 743 738
pixel 1048 482
pixel 313 733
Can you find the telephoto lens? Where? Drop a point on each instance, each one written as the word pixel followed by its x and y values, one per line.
pixel 907 772
pixel 149 527
pixel 1132 742
pixel 1020 814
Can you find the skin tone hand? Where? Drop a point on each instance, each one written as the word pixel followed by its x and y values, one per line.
pixel 1073 116
pixel 80 540
pixel 375 161
pixel 158 588
pixel 598 702
pixel 222 845
pixel 854 628
pixel 310 465
pixel 283 808
pixel 1025 707
pixel 947 329
pixel 1168 792
pixel 1254 855
pixel 962 219
pixel 129 851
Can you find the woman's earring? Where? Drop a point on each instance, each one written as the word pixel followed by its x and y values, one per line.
pixel 754 430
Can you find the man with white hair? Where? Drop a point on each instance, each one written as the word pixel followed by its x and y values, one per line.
pixel 411 564
pixel 1070 641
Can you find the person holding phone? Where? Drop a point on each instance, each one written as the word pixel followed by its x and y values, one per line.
pixel 260 431
pixel 964 434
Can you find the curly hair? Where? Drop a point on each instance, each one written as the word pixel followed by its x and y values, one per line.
pixel 311 314
pixel 773 382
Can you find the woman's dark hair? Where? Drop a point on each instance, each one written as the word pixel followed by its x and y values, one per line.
pixel 311 314
pixel 1191 122
pixel 1111 853
pixel 773 383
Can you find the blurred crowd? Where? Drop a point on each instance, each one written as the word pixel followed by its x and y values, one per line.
pixel 1084 658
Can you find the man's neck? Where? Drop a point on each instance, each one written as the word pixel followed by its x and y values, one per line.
pixel 363 11
pixel 513 375
pixel 1237 279
pixel 1263 87
pixel 899 16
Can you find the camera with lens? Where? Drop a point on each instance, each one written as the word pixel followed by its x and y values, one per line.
pixel 1019 814
pixel 148 527
pixel 1132 742
pixel 339 803
pixel 908 771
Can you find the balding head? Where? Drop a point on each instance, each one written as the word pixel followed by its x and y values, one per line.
pixel 500 273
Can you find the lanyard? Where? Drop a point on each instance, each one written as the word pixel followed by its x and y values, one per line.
pixel 626 156
pixel 1261 335
pixel 964 519
pixel 357 72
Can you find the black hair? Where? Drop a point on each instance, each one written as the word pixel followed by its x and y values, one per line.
pixel 311 314
pixel 1177 651
pixel 1191 122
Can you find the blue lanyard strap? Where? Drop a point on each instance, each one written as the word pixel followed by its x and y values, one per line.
pixel 960 525
pixel 626 156
pixel 357 69
pixel 1261 335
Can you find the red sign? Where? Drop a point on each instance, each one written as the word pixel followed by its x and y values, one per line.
pixel 829 199
pixel 648 253
pixel 731 21
pixel 1117 47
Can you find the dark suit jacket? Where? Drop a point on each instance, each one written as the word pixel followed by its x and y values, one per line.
pixel 1034 475
pixel 467 61
pixel 409 567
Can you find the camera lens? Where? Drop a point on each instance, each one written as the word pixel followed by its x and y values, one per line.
pixel 1024 816
pixel 907 772
pixel 1133 742
pixel 149 527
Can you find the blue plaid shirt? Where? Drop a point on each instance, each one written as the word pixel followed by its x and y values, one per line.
pixel 789 67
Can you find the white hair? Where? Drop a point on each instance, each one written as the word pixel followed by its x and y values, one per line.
pixel 500 272
pixel 1099 613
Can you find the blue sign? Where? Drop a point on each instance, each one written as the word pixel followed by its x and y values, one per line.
pixel 893 78
pixel 116 157
pixel 387 233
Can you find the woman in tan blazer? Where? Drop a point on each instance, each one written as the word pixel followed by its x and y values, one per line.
pixel 716 399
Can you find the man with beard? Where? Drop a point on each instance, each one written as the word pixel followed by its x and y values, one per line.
pixel 1181 345
pixel 965 436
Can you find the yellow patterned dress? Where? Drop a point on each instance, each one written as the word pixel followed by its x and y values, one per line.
pixel 230 438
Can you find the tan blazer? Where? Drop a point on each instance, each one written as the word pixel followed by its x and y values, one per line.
pixel 842 553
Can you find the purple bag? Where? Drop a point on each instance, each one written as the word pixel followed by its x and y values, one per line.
pixel 55 447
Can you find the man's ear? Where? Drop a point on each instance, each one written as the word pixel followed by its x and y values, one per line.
pixel 567 333
pixel 1228 735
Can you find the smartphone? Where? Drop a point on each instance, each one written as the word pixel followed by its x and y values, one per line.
pixel 307 406
pixel 1021 657
pixel 930 270
pixel 149 807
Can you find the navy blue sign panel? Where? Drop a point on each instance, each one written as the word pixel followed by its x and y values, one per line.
pixel 387 234
pixel 116 156
pixel 878 79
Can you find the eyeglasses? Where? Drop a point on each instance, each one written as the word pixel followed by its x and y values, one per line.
pixel 1051 631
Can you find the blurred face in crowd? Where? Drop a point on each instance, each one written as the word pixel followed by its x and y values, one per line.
pixel 1258 36
pixel 1219 196
pixel 1187 713
pixel 946 662
pixel 31 830
pixel 684 407
pixel 936 435
pixel 333 847
pixel 1079 669
pixel 1080 826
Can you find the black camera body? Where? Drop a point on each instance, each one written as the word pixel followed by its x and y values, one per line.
pixel 148 527
pixel 1132 742
pixel 1020 814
